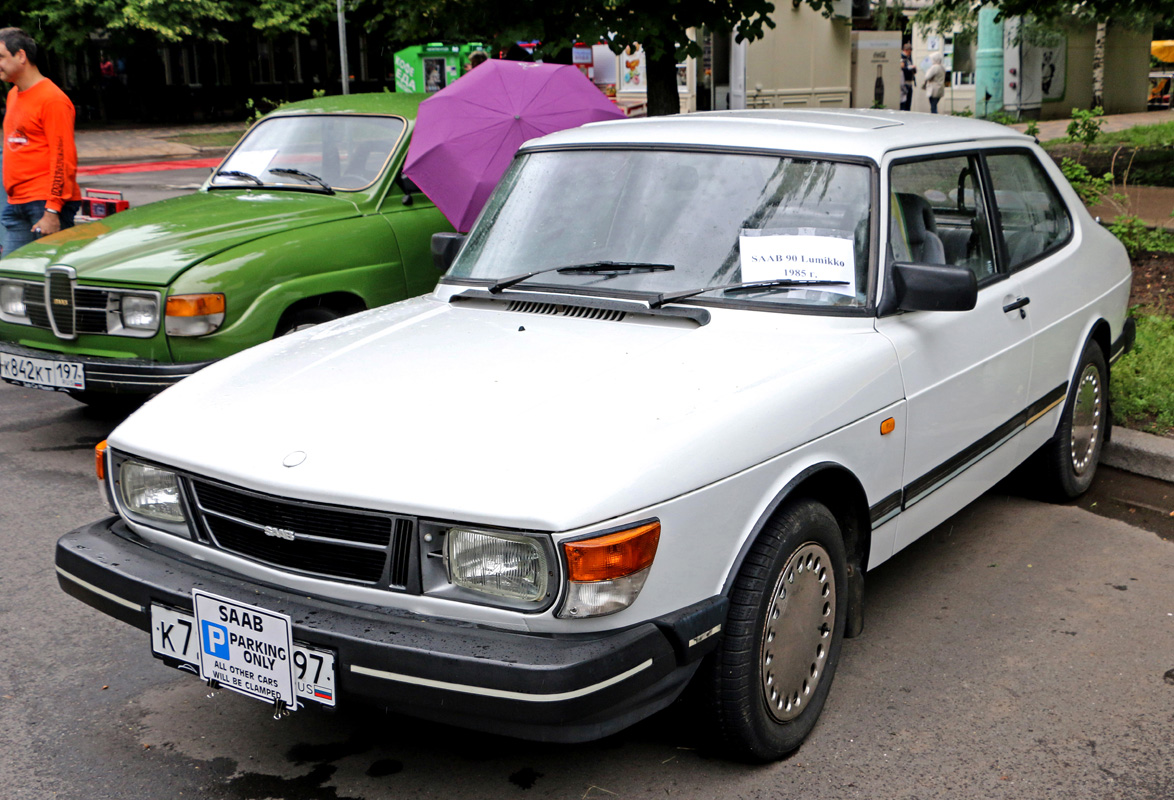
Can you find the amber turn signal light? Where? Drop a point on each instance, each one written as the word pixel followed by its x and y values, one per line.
pixel 100 459
pixel 614 555
pixel 195 305
pixel 888 426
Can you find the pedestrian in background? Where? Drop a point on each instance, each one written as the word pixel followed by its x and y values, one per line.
pixel 40 157
pixel 935 81
pixel 908 76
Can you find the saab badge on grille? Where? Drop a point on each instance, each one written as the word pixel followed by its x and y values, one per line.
pixel 280 533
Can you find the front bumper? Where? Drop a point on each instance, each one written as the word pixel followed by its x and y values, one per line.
pixel 113 375
pixel 547 687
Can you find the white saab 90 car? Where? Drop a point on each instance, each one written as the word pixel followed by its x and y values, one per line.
pixel 683 383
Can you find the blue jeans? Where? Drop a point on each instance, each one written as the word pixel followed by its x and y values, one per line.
pixel 933 104
pixel 19 219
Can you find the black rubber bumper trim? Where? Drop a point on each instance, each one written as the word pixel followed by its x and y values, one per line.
pixel 124 376
pixel 536 686
pixel 1124 342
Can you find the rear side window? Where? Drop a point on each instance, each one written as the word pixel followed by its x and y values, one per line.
pixel 1033 219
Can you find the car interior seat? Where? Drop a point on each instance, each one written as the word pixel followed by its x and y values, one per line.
pixel 921 228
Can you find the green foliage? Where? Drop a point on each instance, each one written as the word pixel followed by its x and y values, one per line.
pixel 1137 236
pixel 1092 189
pixel 1159 135
pixel 1135 14
pixel 1032 129
pixel 259 108
pixel 887 16
pixel 1086 124
pixel 67 23
pixel 966 112
pixel 1142 382
pixel 1001 117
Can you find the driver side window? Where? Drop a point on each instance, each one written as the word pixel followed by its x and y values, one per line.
pixel 937 216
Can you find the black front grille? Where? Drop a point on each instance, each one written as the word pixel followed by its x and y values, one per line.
pixel 319 540
pixel 89 309
pixel 60 298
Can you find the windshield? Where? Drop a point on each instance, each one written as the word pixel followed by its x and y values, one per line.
pixel 716 218
pixel 347 152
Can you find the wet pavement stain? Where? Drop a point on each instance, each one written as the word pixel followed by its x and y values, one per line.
pixel 307 787
pixel 1142 502
pixel 525 777
pixel 326 753
pixel 384 767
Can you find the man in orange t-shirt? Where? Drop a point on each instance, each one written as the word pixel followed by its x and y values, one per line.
pixel 40 158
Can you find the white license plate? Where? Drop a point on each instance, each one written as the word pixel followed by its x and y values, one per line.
pixel 174 634
pixel 43 373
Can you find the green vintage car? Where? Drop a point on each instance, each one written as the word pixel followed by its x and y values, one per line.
pixel 306 220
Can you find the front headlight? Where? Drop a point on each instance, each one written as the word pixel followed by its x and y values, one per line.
pixel 497 564
pixel 140 312
pixel 150 492
pixel 12 305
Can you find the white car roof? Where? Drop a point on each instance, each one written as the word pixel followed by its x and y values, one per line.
pixel 852 132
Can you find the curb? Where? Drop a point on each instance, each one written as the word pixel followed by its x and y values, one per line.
pixel 1140 453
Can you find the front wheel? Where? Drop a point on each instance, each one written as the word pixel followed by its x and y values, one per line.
pixel 1070 457
pixel 305 318
pixel 774 666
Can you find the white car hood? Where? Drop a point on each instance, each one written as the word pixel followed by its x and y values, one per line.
pixel 488 416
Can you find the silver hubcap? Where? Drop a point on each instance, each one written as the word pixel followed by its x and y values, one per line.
pixel 798 632
pixel 1086 419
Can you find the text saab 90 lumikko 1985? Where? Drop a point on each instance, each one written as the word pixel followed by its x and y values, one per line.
pixel 685 381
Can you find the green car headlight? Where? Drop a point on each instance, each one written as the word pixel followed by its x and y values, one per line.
pixel 12 305
pixel 497 564
pixel 150 492
pixel 140 312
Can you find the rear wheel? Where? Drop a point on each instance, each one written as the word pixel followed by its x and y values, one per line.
pixel 1070 459
pixel 774 667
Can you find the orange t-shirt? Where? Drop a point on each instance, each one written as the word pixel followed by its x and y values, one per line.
pixel 40 158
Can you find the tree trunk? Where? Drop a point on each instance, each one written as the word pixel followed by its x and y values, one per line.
pixel 1098 65
pixel 661 73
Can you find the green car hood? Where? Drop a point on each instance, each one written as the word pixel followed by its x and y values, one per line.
pixel 152 244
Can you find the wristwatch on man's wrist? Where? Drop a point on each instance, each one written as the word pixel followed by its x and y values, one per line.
pixel 51 211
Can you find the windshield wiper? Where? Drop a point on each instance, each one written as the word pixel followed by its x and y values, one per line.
pixel 782 283
pixel 598 267
pixel 236 173
pixel 297 173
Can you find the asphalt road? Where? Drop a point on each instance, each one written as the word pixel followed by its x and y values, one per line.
pixel 1021 650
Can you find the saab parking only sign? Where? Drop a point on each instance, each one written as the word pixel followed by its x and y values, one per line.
pixel 245 648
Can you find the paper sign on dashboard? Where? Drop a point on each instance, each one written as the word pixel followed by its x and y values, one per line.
pixel 803 256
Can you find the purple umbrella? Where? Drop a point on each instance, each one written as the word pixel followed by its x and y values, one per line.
pixel 467 133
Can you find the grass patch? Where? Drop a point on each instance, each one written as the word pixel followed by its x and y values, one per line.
pixel 1160 135
pixel 224 139
pixel 1143 379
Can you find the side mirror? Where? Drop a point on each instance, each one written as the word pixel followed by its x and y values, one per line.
pixel 928 287
pixel 409 186
pixel 445 247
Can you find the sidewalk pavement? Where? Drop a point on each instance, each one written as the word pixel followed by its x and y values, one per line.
pixel 106 145
pixel 1058 128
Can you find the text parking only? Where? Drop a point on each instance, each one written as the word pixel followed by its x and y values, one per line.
pixel 244 648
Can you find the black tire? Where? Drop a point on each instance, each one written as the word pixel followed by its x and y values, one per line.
pixel 774 666
pixel 305 318
pixel 1069 459
pixel 110 405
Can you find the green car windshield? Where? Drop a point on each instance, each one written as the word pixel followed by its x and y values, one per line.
pixel 346 152
pixel 718 218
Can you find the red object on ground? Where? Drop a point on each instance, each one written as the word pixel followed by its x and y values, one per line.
pixel 148 166
pixel 100 203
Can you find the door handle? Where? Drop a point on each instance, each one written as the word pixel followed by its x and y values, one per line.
pixel 1018 304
